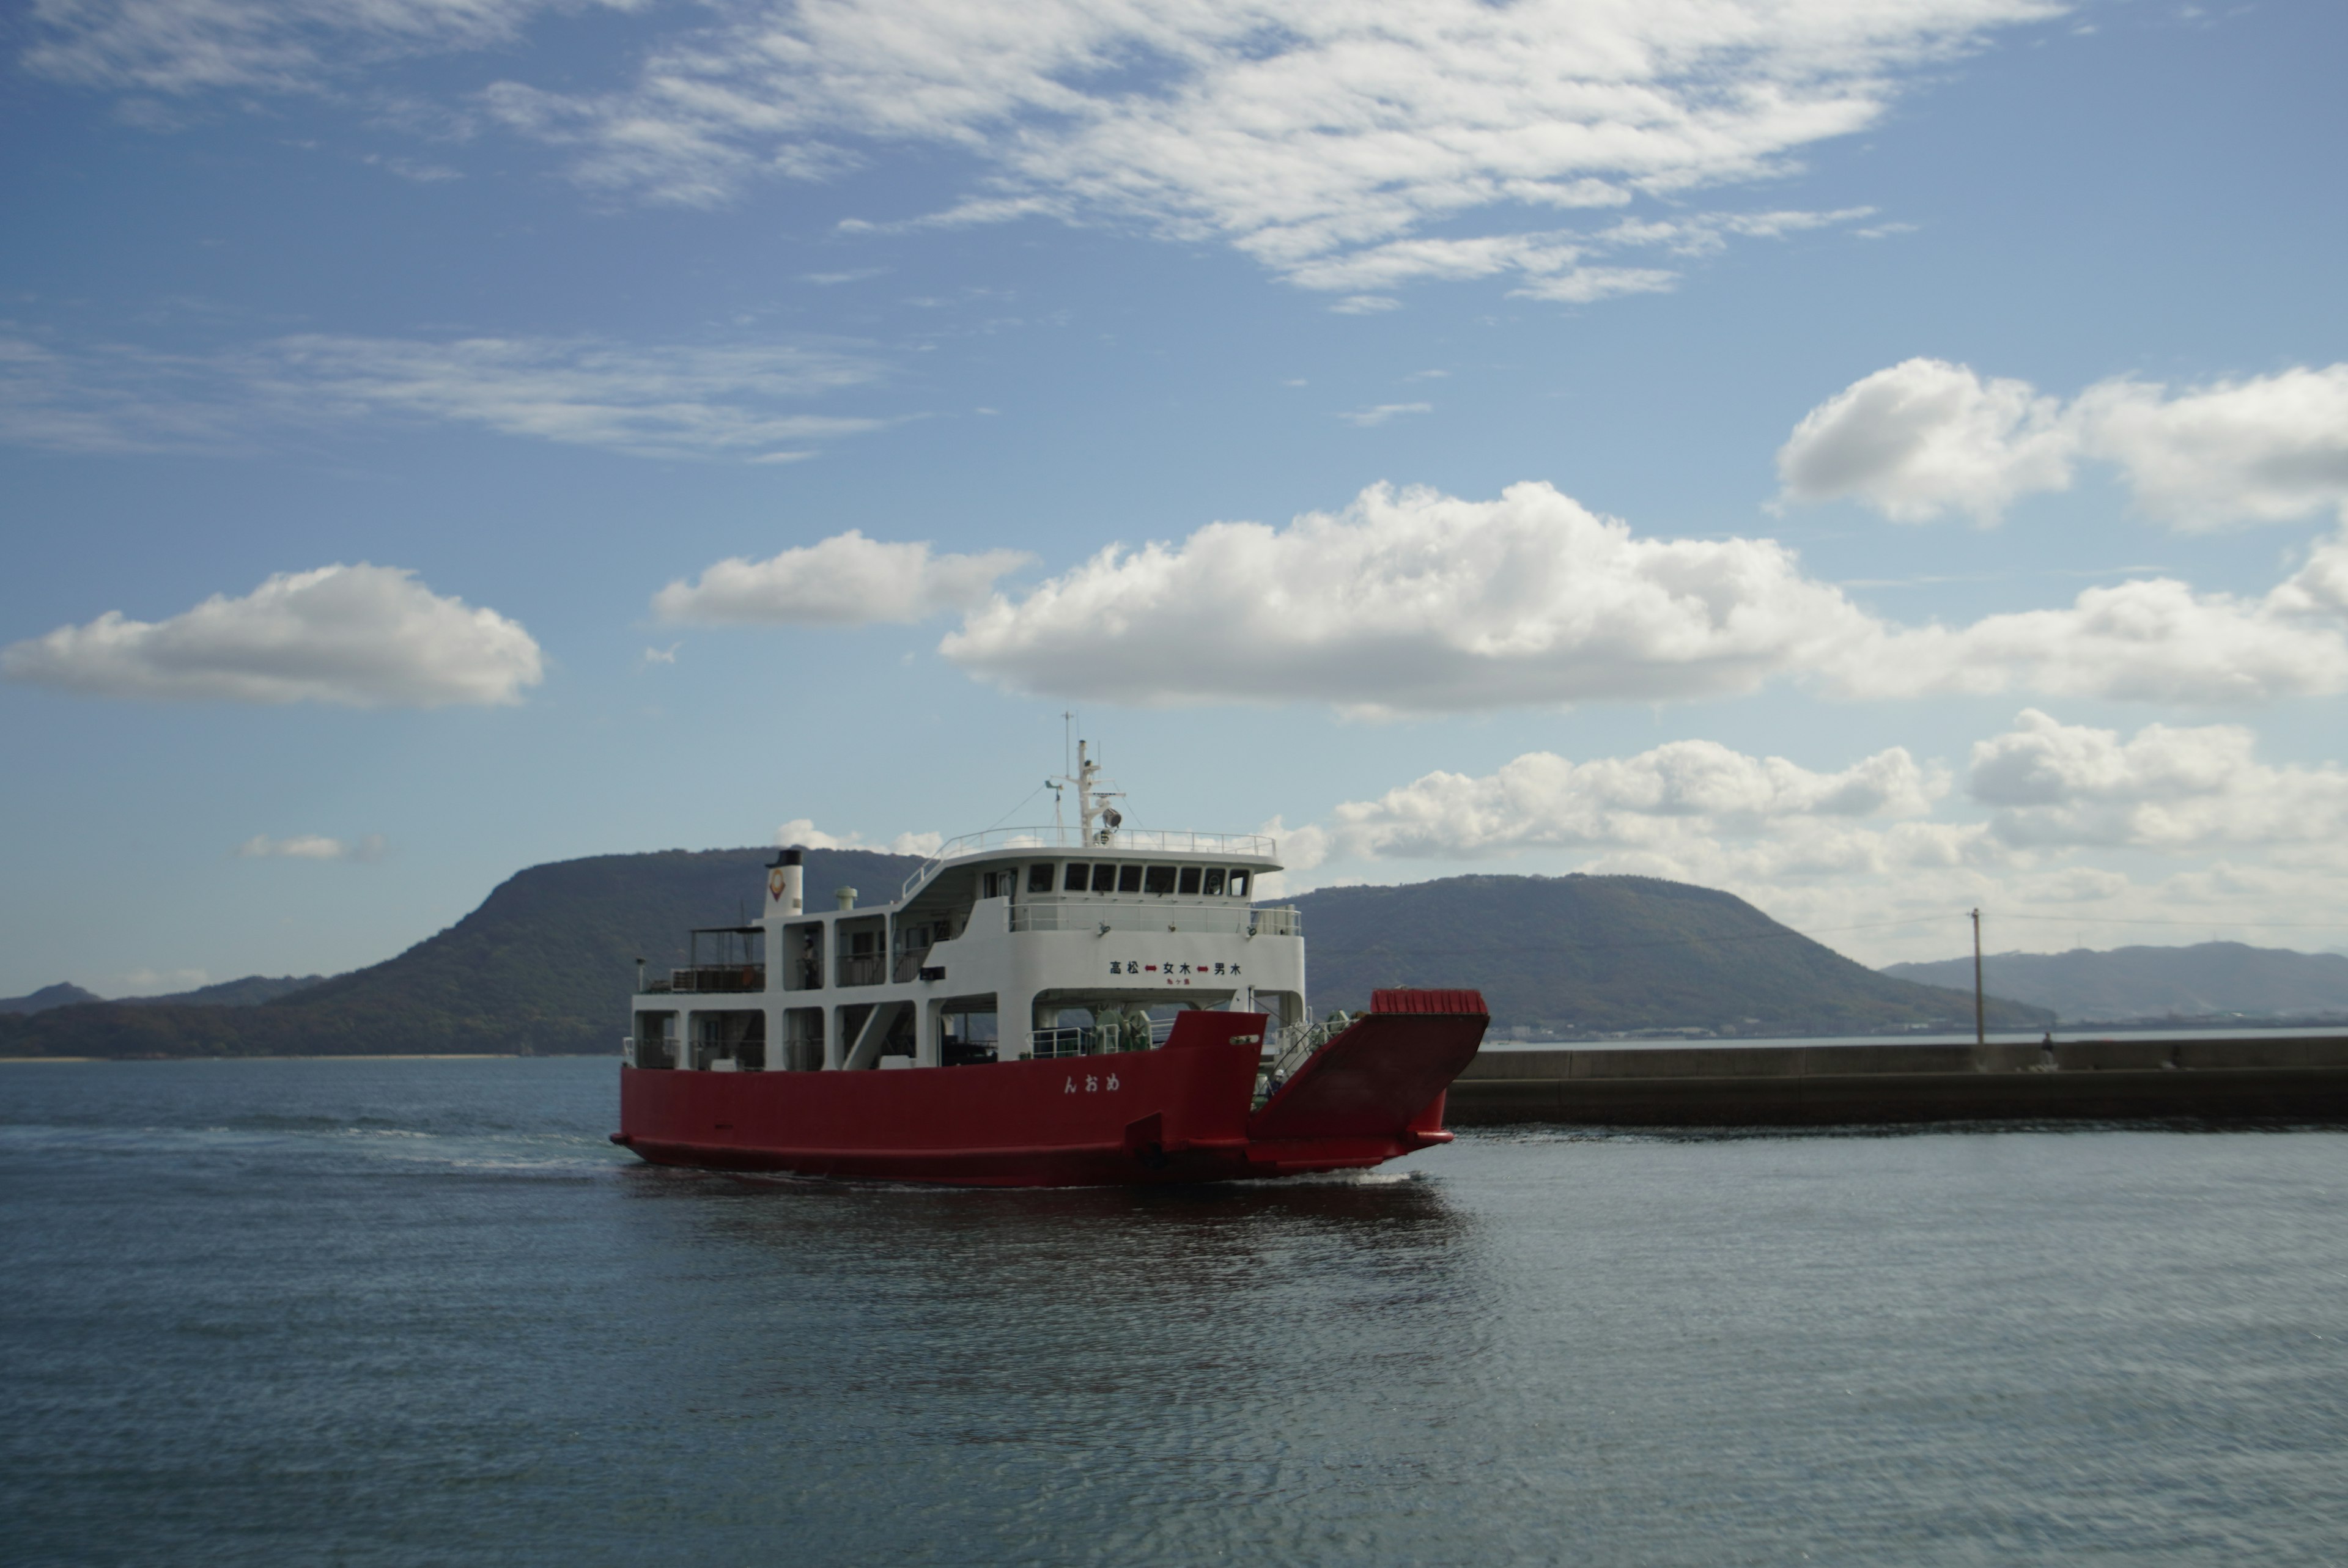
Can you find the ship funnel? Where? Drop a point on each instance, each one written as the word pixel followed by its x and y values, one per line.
pixel 847 897
pixel 786 889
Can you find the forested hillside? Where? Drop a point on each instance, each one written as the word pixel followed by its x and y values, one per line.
pixel 544 965
pixel 1597 955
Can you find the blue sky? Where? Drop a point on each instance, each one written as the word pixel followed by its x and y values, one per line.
pixel 1880 458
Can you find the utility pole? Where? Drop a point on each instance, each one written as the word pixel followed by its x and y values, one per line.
pixel 1980 1032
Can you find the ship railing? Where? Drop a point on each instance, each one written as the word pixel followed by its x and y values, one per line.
pixel 1103 1040
pixel 862 971
pixel 1287 1050
pixel 1100 917
pixel 1143 839
pixel 713 977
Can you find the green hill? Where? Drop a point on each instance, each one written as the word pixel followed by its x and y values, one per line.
pixel 545 965
pixel 547 962
pixel 1583 956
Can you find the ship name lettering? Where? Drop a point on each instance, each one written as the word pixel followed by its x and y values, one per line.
pixel 1071 1088
pixel 1092 1084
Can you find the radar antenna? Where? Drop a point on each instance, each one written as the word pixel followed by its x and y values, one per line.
pixel 1093 804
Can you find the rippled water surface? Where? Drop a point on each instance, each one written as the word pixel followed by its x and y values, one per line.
pixel 364 1312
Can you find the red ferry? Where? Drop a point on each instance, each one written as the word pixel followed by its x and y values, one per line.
pixel 1038 1007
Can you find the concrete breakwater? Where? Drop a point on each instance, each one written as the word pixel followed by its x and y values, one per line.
pixel 2290 1079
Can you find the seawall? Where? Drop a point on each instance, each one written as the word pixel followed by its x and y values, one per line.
pixel 2291 1078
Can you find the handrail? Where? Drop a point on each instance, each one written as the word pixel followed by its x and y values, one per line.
pixel 1100 1039
pixel 1287 1050
pixel 1258 845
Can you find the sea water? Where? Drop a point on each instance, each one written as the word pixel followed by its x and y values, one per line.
pixel 421 1312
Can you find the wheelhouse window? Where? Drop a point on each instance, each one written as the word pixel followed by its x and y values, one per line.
pixel 1079 877
pixel 1128 878
pixel 1158 879
pixel 1238 883
pixel 1039 878
pixel 1214 889
pixel 1189 879
pixel 995 883
pixel 1105 877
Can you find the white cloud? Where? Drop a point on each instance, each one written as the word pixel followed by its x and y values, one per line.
pixel 1926 437
pixel 1369 417
pixel 2269 449
pixel 313 847
pixel 1541 800
pixel 286 46
pixel 363 636
pixel 1879 859
pixel 2151 640
pixel 649 400
pixel 1413 601
pixel 1301 134
pixel 844 580
pixel 801 833
pixel 2165 788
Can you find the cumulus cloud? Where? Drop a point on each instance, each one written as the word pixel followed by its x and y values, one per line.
pixel 363 636
pixel 1414 601
pixel 2151 640
pixel 1304 136
pixel 844 580
pixel 1541 800
pixel 1881 857
pixel 1926 437
pixel 313 847
pixel 801 833
pixel 738 401
pixel 2166 788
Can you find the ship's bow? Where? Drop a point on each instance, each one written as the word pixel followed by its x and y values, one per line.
pixel 1376 1090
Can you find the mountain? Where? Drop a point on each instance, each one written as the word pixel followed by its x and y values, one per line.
pixel 547 963
pixel 1600 954
pixel 249 991
pixel 2125 983
pixel 65 993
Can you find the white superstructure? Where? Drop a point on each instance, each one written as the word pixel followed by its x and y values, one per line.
pixel 1020 942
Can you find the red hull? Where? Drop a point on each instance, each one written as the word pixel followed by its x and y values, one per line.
pixel 1179 1114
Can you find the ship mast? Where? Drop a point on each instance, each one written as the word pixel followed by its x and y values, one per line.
pixel 1092 806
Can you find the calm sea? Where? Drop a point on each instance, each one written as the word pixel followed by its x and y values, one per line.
pixel 420 1312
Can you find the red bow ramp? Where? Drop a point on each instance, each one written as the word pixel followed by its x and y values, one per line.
pixel 1385 1074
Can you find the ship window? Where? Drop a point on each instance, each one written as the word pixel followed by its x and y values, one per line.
pixel 1214 887
pixel 1039 878
pixel 1128 878
pixel 1105 877
pixel 1189 879
pixel 1238 883
pixel 996 885
pixel 1159 879
pixel 1079 877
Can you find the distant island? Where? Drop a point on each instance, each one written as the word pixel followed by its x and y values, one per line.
pixel 2207 983
pixel 546 965
pixel 249 992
